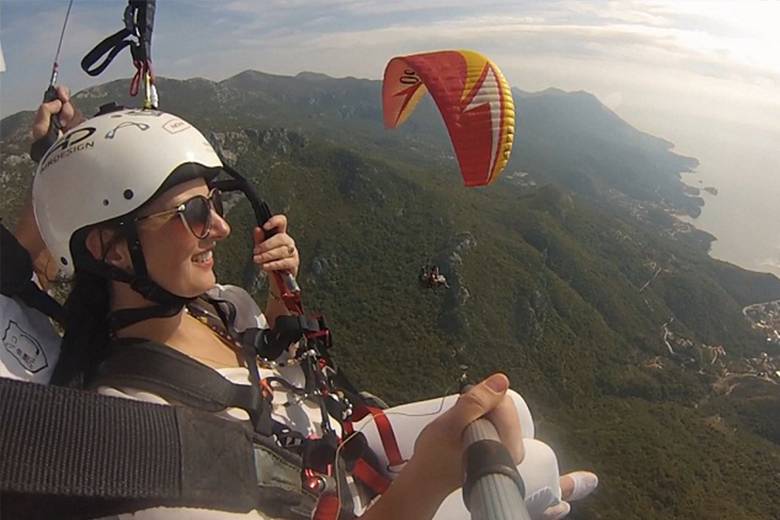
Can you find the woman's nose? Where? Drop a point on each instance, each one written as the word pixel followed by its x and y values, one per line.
pixel 219 227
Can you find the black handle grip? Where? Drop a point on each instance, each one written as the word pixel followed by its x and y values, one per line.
pixel 39 148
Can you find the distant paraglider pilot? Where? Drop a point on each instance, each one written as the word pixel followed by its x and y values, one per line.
pixel 432 278
pixel 424 277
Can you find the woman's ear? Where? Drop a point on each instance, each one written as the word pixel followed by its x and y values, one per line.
pixel 104 244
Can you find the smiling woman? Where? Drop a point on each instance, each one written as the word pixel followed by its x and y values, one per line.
pixel 136 217
pixel 140 243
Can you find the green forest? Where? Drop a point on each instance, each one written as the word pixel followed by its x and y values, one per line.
pixel 571 284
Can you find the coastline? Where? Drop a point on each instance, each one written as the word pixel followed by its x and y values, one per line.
pixel 742 210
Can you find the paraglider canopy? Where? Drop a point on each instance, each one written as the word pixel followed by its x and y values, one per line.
pixel 473 98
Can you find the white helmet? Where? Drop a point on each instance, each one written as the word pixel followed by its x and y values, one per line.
pixel 107 167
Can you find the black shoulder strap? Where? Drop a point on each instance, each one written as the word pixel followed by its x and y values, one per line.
pixel 157 368
pixel 72 454
pixel 16 278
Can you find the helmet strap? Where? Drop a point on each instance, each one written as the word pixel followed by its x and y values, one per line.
pixel 118 320
pixel 140 280
pixel 167 303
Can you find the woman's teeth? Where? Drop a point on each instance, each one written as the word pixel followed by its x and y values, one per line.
pixel 203 257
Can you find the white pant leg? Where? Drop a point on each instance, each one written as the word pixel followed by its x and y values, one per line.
pixel 539 468
pixel 407 420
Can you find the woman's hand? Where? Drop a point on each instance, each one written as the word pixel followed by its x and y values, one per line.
pixel 438 451
pixel 62 107
pixel 436 469
pixel 277 253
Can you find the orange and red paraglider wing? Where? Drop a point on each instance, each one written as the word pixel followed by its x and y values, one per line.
pixel 473 97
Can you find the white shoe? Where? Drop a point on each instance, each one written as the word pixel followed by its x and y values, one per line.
pixel 556 512
pixel 584 484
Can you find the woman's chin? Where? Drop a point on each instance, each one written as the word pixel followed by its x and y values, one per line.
pixel 197 286
pixel 209 282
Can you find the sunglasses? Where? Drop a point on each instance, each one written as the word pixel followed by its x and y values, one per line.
pixel 195 212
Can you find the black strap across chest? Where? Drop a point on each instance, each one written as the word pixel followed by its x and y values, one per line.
pixel 154 367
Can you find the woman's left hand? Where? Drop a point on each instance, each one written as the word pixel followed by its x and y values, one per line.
pixel 277 253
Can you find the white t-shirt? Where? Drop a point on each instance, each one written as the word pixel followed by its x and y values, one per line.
pixel 303 417
pixel 300 416
pixel 30 345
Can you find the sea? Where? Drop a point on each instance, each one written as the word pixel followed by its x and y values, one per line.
pixel 744 215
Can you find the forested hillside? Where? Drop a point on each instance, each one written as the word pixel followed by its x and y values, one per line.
pixel 570 274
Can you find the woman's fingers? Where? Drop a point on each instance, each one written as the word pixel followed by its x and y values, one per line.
pixel 506 420
pixel 40 126
pixel 489 399
pixel 63 93
pixel 283 252
pixel 273 249
pixel 278 223
pixel 439 445
pixel 278 252
pixel 280 240
pixel 61 107
pixel 280 265
pixel 478 401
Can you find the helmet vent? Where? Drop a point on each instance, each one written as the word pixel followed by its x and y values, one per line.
pixel 105 202
pixel 128 194
pixel 63 260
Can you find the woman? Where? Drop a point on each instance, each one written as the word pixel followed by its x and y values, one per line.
pixel 140 242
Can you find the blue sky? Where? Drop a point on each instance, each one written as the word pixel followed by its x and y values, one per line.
pixel 704 74
pixel 700 58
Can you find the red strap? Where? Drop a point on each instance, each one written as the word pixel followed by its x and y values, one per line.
pixel 136 81
pixel 370 477
pixel 291 300
pixel 385 430
pixel 327 507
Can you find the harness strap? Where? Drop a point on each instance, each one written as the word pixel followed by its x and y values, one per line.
pixel 16 278
pixel 329 506
pixel 369 476
pixel 389 442
pixel 139 23
pixel 154 367
pixel 67 452
pixel 119 319
pixel 270 343
pixel 363 462
pixel 227 311
pixel 110 46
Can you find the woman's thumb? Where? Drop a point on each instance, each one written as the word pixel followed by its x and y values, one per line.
pixel 479 400
pixel 258 235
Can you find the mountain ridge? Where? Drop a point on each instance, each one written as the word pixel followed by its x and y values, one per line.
pixel 569 274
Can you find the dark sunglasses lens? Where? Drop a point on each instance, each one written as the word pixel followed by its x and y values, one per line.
pixel 197 213
pixel 216 200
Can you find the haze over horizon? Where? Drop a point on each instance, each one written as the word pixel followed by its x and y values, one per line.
pixel 702 74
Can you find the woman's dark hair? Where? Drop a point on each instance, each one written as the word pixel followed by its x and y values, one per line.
pixel 87 308
pixel 86 329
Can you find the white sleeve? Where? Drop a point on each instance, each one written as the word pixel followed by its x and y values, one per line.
pixel 30 344
pixel 248 313
pixel 237 375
